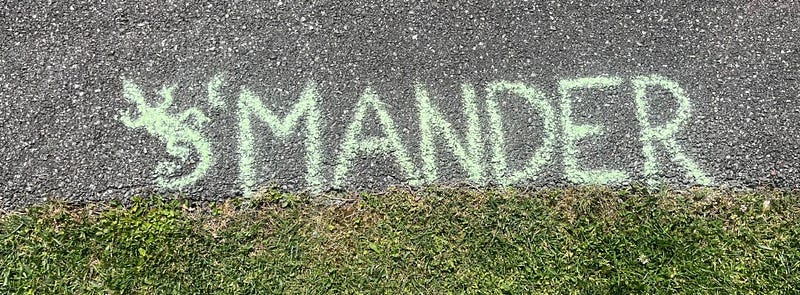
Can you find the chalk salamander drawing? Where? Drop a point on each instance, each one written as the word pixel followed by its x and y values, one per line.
pixel 180 132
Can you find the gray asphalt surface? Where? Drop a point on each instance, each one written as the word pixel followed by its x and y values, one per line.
pixel 62 67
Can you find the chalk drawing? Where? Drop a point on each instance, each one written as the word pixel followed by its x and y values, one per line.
pixel 251 105
pixel 389 144
pixel 665 134
pixel 542 154
pixel 180 132
pixel 214 96
pixel 432 122
pixel 575 132
pixel 184 139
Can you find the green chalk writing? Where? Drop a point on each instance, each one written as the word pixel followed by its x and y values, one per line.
pixel 214 96
pixel 389 144
pixel 543 154
pixel 664 134
pixel 432 122
pixel 575 132
pixel 180 132
pixel 251 105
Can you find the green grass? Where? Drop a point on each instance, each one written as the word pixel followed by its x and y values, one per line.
pixel 436 241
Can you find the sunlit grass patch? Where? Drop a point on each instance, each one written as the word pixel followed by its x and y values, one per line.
pixel 436 240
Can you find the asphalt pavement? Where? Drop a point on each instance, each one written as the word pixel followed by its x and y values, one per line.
pixel 101 100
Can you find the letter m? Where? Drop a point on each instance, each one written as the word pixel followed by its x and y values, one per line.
pixel 251 106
